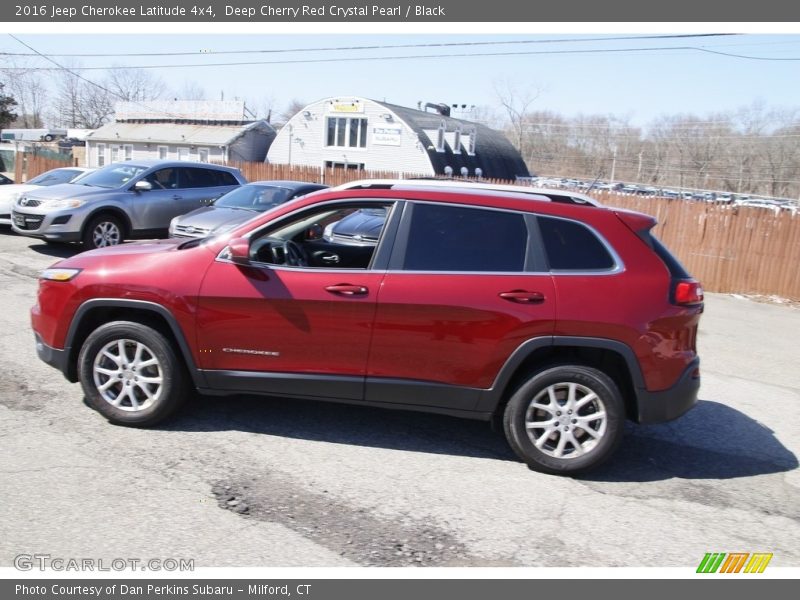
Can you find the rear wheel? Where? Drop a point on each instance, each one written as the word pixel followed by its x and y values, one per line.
pixel 102 231
pixel 565 420
pixel 131 374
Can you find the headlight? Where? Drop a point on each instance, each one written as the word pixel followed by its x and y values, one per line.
pixel 172 225
pixel 327 234
pixel 62 203
pixel 59 274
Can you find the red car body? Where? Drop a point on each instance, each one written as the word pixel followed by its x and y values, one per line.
pixel 438 341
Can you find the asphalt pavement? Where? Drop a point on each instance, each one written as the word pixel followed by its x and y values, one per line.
pixel 249 481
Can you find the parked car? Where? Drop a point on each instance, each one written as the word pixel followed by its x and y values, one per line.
pixel 9 194
pixel 237 206
pixel 473 303
pixel 5 180
pixel 122 200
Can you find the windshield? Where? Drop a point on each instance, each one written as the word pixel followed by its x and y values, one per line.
pixel 112 176
pixel 55 177
pixel 254 197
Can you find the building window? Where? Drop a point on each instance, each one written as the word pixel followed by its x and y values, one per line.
pixel 346 132
pixel 331 164
pixel 114 154
pixel 163 151
pixel 128 151
pixel 202 154
pixel 183 153
pixel 101 155
pixel 440 137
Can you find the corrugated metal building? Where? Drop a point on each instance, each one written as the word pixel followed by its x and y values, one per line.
pixel 358 133
pixel 185 130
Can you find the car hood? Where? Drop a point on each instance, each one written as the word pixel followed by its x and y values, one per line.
pixel 360 223
pixel 212 217
pixel 6 191
pixel 67 190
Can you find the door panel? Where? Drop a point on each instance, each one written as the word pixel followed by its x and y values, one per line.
pixel 456 329
pixel 287 321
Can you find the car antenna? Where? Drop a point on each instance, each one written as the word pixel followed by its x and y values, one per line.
pixel 596 179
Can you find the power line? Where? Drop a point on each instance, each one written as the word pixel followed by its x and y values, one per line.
pixel 89 81
pixel 378 47
pixel 401 57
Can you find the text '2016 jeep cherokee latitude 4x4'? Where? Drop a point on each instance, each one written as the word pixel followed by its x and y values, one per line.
pixel 122 200
pixel 558 318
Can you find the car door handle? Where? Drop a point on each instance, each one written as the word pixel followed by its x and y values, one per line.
pixel 177 197
pixel 522 297
pixel 345 289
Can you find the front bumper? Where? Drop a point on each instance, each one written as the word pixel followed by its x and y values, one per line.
pixel 52 356
pixel 669 404
pixel 41 225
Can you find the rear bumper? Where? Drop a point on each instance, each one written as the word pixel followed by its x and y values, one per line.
pixel 669 404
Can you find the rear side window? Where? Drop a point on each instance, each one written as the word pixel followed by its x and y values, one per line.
pixel 571 246
pixel 193 177
pixel 220 178
pixel 450 238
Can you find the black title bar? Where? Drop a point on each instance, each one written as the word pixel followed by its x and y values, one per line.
pixel 334 11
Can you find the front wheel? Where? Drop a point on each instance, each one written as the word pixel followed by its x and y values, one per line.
pixel 131 374
pixel 565 420
pixel 102 231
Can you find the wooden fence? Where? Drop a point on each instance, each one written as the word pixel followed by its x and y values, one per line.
pixel 729 249
pixel 27 165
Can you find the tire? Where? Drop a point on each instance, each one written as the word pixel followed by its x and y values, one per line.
pixel 560 446
pixel 128 399
pixel 49 137
pixel 102 231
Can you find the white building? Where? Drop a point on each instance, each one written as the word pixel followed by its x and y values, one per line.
pixel 181 130
pixel 358 133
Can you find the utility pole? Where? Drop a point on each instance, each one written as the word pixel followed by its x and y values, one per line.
pixel 613 161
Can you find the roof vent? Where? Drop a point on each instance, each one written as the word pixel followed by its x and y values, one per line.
pixel 440 108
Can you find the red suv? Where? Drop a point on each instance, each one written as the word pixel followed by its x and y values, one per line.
pixel 549 314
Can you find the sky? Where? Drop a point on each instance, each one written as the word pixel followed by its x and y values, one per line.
pixel 638 85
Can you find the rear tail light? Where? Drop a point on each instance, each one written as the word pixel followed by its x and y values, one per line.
pixel 687 292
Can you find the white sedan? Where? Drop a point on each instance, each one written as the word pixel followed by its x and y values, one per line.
pixel 9 193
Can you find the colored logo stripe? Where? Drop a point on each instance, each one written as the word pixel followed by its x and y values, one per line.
pixel 758 562
pixel 734 562
pixel 711 562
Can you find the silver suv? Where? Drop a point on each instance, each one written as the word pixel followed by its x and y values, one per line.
pixel 122 200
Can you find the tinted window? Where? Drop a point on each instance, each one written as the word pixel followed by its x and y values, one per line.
pixel 55 177
pixel 222 178
pixel 572 246
pixel 448 238
pixel 197 178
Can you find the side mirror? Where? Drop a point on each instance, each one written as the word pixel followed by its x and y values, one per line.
pixel 314 232
pixel 142 186
pixel 239 251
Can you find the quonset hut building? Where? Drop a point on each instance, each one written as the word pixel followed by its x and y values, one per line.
pixel 358 133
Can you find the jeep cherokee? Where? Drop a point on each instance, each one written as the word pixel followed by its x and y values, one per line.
pixel 555 318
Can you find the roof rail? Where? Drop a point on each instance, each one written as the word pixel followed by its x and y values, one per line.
pixel 450 184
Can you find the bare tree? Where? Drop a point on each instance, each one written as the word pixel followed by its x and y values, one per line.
pixel 133 85
pixel 26 86
pixel 190 90
pixel 517 104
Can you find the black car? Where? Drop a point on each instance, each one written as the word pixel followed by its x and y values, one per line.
pixel 238 206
